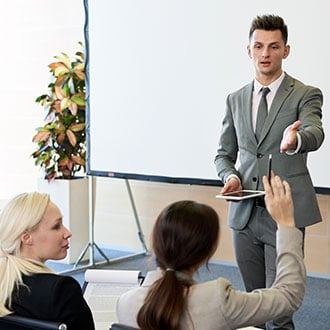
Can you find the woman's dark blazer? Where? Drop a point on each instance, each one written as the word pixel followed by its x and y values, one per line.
pixel 52 297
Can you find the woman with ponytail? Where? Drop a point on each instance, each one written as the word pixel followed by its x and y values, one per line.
pixel 184 237
pixel 31 232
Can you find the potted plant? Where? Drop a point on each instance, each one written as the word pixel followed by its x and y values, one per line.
pixel 61 146
pixel 61 142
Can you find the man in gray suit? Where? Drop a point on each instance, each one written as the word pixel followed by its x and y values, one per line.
pixel 292 128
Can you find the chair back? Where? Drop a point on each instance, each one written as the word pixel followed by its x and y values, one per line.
pixel 17 322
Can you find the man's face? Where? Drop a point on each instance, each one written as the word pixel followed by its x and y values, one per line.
pixel 267 50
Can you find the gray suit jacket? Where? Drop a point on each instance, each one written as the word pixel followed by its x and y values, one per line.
pixel 240 154
pixel 215 305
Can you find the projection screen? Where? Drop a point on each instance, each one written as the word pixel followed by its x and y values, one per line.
pixel 158 73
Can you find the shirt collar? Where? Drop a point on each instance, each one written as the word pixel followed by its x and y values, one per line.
pixel 273 86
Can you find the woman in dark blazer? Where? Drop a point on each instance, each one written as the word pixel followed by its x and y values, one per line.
pixel 31 232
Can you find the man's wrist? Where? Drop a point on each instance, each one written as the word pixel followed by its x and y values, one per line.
pixel 231 176
pixel 293 152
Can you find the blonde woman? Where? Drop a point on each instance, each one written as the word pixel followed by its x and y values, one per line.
pixel 31 232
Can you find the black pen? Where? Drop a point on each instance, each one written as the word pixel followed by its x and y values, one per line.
pixel 269 171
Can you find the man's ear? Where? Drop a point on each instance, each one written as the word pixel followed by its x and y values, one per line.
pixel 286 51
pixel 248 48
pixel 26 238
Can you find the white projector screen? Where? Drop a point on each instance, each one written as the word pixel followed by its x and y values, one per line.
pixel 158 73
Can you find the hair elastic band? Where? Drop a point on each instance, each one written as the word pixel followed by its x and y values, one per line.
pixel 169 270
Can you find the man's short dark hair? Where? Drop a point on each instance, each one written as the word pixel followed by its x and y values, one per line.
pixel 269 23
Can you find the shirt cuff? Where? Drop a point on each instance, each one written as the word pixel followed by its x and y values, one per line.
pixel 233 176
pixel 293 152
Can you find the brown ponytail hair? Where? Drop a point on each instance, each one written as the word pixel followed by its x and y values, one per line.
pixel 184 237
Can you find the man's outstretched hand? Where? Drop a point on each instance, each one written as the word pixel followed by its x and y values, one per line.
pixel 289 139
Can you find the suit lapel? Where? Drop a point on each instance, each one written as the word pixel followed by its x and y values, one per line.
pixel 282 93
pixel 247 111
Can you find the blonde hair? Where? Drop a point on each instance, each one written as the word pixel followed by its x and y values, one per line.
pixel 22 213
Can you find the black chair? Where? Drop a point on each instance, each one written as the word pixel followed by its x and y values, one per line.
pixel 119 326
pixel 21 322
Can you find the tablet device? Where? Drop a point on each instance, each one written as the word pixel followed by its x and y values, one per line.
pixel 241 194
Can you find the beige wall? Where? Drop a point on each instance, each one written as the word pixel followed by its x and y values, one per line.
pixel 115 224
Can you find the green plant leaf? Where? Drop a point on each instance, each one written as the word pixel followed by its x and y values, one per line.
pixel 41 98
pixel 78 99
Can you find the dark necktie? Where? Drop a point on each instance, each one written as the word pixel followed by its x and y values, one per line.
pixel 262 112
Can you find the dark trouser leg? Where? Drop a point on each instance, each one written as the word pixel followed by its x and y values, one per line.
pixel 249 255
pixel 255 250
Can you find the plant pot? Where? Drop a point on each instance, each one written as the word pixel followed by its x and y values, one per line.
pixel 71 196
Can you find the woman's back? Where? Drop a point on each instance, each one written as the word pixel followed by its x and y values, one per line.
pixel 184 228
pixel 53 297
pixel 215 305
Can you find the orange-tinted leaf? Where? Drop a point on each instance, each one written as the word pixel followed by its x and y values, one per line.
pixel 79 67
pixel 59 92
pixel 65 103
pixel 57 106
pixel 78 160
pixel 80 74
pixel 41 136
pixel 63 161
pixel 54 65
pixel 59 69
pixel 71 136
pixel 73 108
pixel 51 177
pixel 79 71
pixel 60 127
pixel 60 138
pixel 70 164
pixel 77 127
pixel 64 59
pixel 60 80
pixel 36 154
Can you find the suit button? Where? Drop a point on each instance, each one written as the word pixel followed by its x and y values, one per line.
pixel 254 179
pixel 259 155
